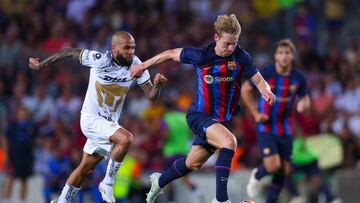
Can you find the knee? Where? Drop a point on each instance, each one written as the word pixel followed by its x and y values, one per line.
pixel 123 138
pixel 287 171
pixel 273 167
pixel 193 165
pixel 230 143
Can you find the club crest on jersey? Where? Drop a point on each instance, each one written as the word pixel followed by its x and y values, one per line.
pixel 96 56
pixel 208 79
pixel 292 88
pixel 266 151
pixel 231 65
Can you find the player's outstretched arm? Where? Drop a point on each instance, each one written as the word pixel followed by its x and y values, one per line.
pixel 303 104
pixel 263 88
pixel 171 54
pixel 34 63
pixel 247 98
pixel 153 91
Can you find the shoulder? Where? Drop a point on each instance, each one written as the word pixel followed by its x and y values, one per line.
pixel 136 60
pixel 242 55
pixel 269 69
pixel 97 55
pixel 192 55
pixel 95 58
pixel 298 73
pixel 240 52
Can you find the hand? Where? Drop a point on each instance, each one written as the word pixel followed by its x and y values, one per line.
pixel 159 79
pixel 137 70
pixel 269 97
pixel 260 117
pixel 34 63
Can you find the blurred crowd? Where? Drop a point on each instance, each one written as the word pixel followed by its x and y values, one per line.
pixel 49 101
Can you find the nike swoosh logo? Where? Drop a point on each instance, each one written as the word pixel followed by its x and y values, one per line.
pixel 207 68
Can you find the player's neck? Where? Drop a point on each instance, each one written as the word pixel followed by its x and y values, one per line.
pixel 285 71
pixel 217 52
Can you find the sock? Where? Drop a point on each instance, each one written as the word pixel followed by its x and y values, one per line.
pixel 276 185
pixel 177 170
pixel 326 191
pixel 222 167
pixel 261 172
pixel 68 193
pixel 111 171
pixel 291 187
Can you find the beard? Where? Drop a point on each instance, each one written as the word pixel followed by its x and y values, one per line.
pixel 122 61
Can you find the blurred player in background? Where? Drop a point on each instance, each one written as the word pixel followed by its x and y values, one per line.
pixel 219 68
pixel 108 84
pixel 274 123
pixel 305 163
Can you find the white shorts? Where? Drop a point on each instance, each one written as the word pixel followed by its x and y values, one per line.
pixel 98 131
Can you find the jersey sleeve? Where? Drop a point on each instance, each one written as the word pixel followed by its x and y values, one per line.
pixel 93 59
pixel 145 75
pixel 192 55
pixel 302 91
pixel 248 64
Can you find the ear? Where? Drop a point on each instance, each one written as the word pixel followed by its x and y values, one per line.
pixel 216 37
pixel 112 48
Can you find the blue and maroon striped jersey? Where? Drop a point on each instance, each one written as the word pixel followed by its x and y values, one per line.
pixel 218 79
pixel 286 88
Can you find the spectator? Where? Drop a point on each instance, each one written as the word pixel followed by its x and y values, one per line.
pixel 20 138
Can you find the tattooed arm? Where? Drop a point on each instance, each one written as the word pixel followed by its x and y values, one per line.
pixel 153 91
pixel 34 63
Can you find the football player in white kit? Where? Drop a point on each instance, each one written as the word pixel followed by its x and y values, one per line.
pixel 108 84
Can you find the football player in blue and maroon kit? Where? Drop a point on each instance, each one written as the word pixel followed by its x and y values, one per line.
pixel 274 123
pixel 219 68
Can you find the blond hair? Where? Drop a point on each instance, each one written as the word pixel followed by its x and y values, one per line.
pixel 286 43
pixel 227 24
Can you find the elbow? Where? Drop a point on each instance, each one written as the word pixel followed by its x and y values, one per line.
pixel 303 108
pixel 152 97
pixel 173 54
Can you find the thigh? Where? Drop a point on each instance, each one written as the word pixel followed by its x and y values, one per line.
pixel 218 135
pixel 199 123
pixel 98 132
pixel 267 145
pixel 285 144
pixel 287 167
pixel 312 169
pixel 198 156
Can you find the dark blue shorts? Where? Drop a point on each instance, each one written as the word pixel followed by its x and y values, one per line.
pixel 270 144
pixel 309 169
pixel 198 123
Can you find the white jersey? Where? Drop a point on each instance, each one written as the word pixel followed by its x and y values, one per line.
pixel 108 84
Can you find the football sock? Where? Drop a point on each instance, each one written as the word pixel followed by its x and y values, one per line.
pixel 326 191
pixel 261 172
pixel 276 185
pixel 222 167
pixel 177 170
pixel 68 193
pixel 111 171
pixel 291 187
